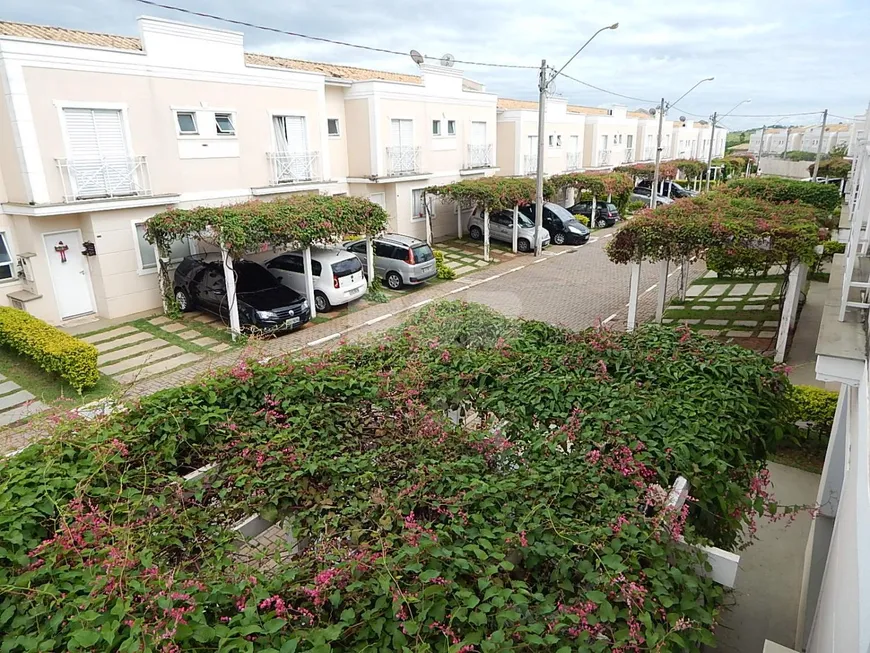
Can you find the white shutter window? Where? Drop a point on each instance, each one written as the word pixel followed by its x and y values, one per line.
pixel 574 145
pixel 291 134
pixel 99 159
pixel 478 133
pixel 402 132
pixel 293 161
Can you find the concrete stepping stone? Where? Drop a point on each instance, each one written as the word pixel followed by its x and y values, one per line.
pixel 465 269
pixel 189 335
pixel 745 323
pixel 739 334
pixel 139 336
pixel 118 354
pixel 141 360
pixel 481 264
pixel 157 321
pixel 205 341
pixel 726 308
pixel 157 368
pixel 206 318
pixel 770 323
pixel 21 412
pixel 110 335
pixel 699 308
pixel 717 290
pixel 709 332
pixel 708 299
pixel 219 348
pixel 764 289
pixel 175 326
pixel 690 321
pixel 715 322
pixel 8 386
pixel 753 307
pixel 766 334
pixel 8 401
pixel 741 289
pixel 695 291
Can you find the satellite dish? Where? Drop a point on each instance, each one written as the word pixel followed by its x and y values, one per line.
pixel 652 111
pixel 682 118
pixel 417 57
pixel 447 60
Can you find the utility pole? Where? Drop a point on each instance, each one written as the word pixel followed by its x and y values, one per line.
pixel 655 186
pixel 760 150
pixel 785 147
pixel 819 150
pixel 710 154
pixel 539 171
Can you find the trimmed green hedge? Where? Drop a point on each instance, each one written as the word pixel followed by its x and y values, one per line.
pixel 775 189
pixel 814 405
pixel 53 350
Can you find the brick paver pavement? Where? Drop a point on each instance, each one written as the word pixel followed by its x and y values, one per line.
pixel 568 286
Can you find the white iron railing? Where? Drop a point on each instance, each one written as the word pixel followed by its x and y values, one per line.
pixel 479 156
pixel 604 158
pixel 404 160
pixel 629 155
pixel 294 167
pixel 530 162
pixel 573 161
pixel 649 154
pixel 88 179
pixel 858 243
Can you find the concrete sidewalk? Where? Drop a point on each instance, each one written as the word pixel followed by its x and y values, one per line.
pixel 802 354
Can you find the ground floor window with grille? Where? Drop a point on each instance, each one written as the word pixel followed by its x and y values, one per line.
pixel 7 267
pixel 417 204
pixel 148 252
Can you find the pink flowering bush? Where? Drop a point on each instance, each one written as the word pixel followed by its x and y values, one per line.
pixel 540 524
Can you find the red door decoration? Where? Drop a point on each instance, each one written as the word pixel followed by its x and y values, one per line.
pixel 60 247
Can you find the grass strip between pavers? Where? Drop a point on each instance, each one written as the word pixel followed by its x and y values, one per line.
pixel 186 345
pixel 712 281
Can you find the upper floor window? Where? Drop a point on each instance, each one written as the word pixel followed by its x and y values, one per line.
pixel 7 267
pixel 290 133
pixel 451 128
pixel 99 162
pixel 186 123
pixel 332 127
pixel 436 128
pixel 224 124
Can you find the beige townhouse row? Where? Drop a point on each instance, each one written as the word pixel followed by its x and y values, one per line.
pixel 100 132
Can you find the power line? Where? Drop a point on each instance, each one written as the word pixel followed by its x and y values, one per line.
pixel 321 39
pixel 604 90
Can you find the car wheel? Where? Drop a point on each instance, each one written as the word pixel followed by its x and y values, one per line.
pixel 183 300
pixel 559 238
pixel 524 245
pixel 601 223
pixel 321 303
pixel 475 233
pixel 394 280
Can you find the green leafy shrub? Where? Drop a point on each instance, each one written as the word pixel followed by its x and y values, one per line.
pixel 835 166
pixel 538 523
pixel 582 219
pixel 53 350
pixel 800 155
pixel 813 405
pixel 444 271
pixel 636 205
pixel 779 190
pixel 830 248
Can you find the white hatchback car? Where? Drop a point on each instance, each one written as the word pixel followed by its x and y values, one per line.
pixel 338 275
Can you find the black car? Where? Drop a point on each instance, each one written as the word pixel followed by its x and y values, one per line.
pixel 606 213
pixel 263 302
pixel 564 228
pixel 669 189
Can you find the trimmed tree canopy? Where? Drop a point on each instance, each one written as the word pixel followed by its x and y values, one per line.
pixel 691 168
pixel 836 166
pixel 777 189
pixel 667 170
pixel 613 183
pixel 750 233
pixel 297 220
pixel 492 193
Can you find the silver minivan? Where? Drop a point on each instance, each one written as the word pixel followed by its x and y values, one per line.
pixel 399 260
pixel 501 228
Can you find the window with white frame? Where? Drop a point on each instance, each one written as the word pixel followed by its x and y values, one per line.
pixel 332 127
pixel 186 123
pixel 558 140
pixel 436 128
pixel 224 124
pixel 451 128
pixel 417 204
pixel 7 266
pixel 615 139
pixel 552 140
pixel 148 252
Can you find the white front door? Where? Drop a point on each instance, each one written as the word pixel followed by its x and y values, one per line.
pixel 69 273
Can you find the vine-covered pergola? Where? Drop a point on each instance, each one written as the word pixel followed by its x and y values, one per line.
pixel 748 233
pixel 617 186
pixel 488 194
pixel 297 221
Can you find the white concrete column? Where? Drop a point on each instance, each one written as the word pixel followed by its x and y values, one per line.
pixel 684 278
pixel 516 227
pixel 309 280
pixel 459 220
pixel 486 235
pixel 789 310
pixel 633 295
pixel 427 218
pixel 370 261
pixel 570 195
pixel 594 207
pixel 662 294
pixel 232 302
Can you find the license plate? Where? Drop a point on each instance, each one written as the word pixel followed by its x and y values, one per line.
pixel 292 321
pixel 427 268
pixel 353 291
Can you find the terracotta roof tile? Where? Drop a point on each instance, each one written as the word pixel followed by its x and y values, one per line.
pixel 528 105
pixel 508 104
pixel 330 70
pixel 837 128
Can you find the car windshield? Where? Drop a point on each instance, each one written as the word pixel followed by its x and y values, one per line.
pixel 525 222
pixel 611 207
pixel 560 212
pixel 422 253
pixel 251 277
pixel 346 267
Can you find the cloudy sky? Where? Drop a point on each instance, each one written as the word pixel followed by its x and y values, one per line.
pixel 788 56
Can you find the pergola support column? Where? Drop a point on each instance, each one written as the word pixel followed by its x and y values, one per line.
pixel 516 227
pixel 232 301
pixel 309 280
pixel 427 218
pixel 684 278
pixel 370 261
pixel 486 235
pixel 570 195
pixel 634 284
pixel 662 294
pixel 459 220
pixel 796 277
pixel 594 210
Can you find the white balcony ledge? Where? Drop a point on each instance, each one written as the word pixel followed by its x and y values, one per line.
pixel 291 187
pixel 88 206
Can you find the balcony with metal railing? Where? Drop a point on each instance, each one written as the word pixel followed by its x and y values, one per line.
pixel 604 158
pixel 403 160
pixel 530 164
pixel 649 153
pixel 628 157
pixel 479 156
pixel 293 167
pixel 573 161
pixel 104 178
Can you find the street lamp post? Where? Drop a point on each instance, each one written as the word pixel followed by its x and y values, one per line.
pixel 653 196
pixel 713 133
pixel 544 82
